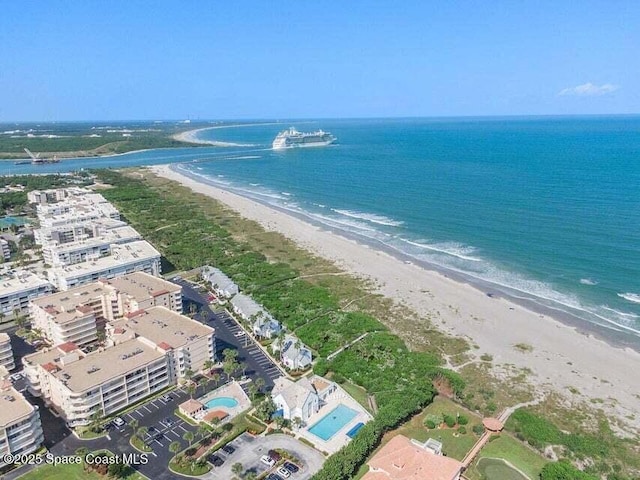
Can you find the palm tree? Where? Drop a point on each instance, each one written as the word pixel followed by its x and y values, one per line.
pixel 251 476
pixel 174 447
pixel 141 432
pixel 237 468
pixel 208 365
pixel 203 431
pixel 259 383
pixel 216 378
pixel 191 389
pixel 134 424
pixel 189 437
pixel 243 366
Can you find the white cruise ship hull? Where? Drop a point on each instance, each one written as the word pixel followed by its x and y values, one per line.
pixel 283 144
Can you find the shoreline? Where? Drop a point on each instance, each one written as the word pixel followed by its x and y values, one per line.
pixel 566 353
pixel 191 136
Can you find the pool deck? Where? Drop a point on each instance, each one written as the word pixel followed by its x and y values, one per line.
pixel 340 438
pixel 233 390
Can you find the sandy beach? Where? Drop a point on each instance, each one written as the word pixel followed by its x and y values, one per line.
pixel 191 136
pixel 561 358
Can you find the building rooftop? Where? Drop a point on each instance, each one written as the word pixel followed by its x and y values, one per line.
pixel 403 459
pixel 163 327
pixel 4 338
pixel 13 405
pixel 101 366
pixel 63 306
pixel 141 285
pixel 121 255
pixel 191 406
pixel 17 280
pixel 105 237
pixel 48 356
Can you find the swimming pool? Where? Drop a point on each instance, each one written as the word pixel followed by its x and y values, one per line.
pixel 332 422
pixel 228 402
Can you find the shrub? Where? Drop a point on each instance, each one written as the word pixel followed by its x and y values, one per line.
pixel 462 430
pixel 429 424
pixel 462 420
pixel 478 429
pixel 450 421
pixel 563 470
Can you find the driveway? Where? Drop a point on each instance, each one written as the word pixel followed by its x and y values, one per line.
pixel 249 449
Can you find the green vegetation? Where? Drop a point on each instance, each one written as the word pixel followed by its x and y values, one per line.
pixel 564 471
pixel 504 446
pixel 75 140
pixel 325 308
pixel 496 469
pixel 607 452
pixel 77 472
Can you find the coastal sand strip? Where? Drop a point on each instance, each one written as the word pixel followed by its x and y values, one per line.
pixel 561 357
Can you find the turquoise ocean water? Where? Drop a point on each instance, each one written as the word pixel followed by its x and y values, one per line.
pixel 544 210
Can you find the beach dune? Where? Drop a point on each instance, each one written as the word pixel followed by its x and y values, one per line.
pixel 560 357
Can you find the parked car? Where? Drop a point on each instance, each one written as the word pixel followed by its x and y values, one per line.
pixel 119 422
pixel 16 376
pixel 229 449
pixel 215 460
pixel 167 422
pixel 273 476
pixel 284 472
pixel 267 460
pixel 292 467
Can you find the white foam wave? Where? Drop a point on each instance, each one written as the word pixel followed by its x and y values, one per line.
pixel 632 297
pixel 622 314
pixel 287 194
pixel 369 217
pixel 244 157
pixel 588 281
pixel 254 184
pixel 453 249
pixel 342 223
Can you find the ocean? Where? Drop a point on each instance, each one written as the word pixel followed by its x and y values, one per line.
pixel 544 210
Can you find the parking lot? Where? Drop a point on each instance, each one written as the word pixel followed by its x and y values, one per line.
pixel 249 449
pixel 230 335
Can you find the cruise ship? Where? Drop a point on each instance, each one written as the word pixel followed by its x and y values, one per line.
pixel 292 138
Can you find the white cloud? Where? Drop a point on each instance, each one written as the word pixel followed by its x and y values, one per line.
pixel 589 90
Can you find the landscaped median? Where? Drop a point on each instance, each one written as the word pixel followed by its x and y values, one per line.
pixel 80 471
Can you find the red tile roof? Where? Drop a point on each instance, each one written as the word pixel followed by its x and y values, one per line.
pixel 50 367
pixel 165 346
pixel 401 459
pixel 134 314
pixel 67 347
pixel 157 293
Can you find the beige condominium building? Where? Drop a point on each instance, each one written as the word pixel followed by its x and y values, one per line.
pixel 146 351
pixel 189 344
pixel 6 352
pixel 20 428
pixel 78 314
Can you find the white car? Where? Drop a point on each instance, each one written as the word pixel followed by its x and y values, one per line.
pixel 267 460
pixel 118 422
pixel 283 472
pixel 16 376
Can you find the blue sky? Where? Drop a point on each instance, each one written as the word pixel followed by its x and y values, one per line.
pixel 238 59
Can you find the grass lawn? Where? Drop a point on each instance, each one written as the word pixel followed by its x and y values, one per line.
pixel 138 444
pixel 71 472
pixel 358 393
pixel 515 452
pixel 454 444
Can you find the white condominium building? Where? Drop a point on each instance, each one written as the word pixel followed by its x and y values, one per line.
pixel 76 315
pixel 189 344
pixel 54 195
pixel 106 380
pixel 75 231
pixel 6 352
pixel 17 288
pixel 20 428
pixel 91 248
pixel 139 256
